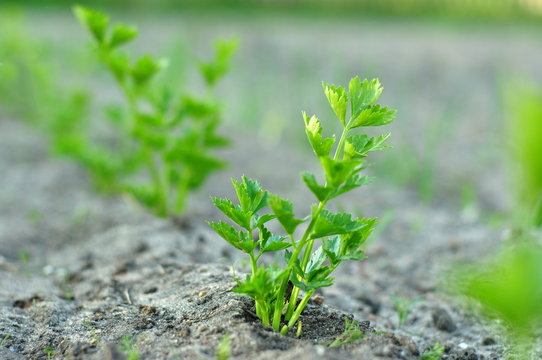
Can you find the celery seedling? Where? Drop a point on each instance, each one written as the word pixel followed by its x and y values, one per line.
pixel 276 289
pixel 164 139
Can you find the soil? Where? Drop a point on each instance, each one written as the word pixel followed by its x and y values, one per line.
pixel 80 271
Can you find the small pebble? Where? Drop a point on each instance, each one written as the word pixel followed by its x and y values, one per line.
pixel 443 321
pixel 202 293
pixel 489 341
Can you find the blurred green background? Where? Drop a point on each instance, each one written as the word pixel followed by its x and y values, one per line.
pixel 445 66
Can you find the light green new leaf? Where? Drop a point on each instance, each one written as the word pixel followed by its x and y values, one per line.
pixel 122 34
pixel 375 115
pixel 283 210
pixel 250 194
pixel 313 129
pixel 338 99
pixel 328 224
pixel 95 21
pixel 363 94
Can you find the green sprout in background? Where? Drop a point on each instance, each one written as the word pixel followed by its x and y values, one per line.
pixel 165 141
pixel 525 140
pixel 307 266
pixel 508 286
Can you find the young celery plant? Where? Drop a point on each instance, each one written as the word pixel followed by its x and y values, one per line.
pixel 164 139
pixel 276 289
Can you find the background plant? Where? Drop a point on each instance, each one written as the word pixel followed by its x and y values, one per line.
pixel 164 141
pixel 307 266
pixel 523 133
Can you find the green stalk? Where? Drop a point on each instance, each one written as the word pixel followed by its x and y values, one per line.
pixel 297 312
pixel 310 244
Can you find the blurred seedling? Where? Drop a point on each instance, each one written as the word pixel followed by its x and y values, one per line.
pixel 25 72
pixel 351 333
pixel 508 286
pixel 4 339
pixel 127 346
pixel 403 307
pixel 223 350
pixel 50 353
pixel 276 288
pixel 434 353
pixel 524 139
pixel 164 143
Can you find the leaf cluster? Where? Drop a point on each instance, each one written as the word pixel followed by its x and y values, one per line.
pixel 306 266
pixel 163 141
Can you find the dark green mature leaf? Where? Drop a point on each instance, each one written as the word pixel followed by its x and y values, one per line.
pixel 338 99
pixel 328 224
pixel 250 194
pixel 234 212
pixel 283 210
pixel 374 116
pixel 363 94
pixel 321 192
pixel 122 34
pixel 95 21
pixel 313 129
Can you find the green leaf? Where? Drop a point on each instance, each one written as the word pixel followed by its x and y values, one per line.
pixel 238 215
pixel 316 260
pixel 338 99
pixel 313 129
pixel 95 21
pixel 260 220
pixel 227 232
pixel 275 243
pixel 283 210
pixel 122 34
pixel 352 183
pixel 374 116
pixel 358 146
pixel 119 65
pixel 250 194
pixel 145 68
pixel 328 224
pixel 339 171
pixel 321 192
pixel 363 94
pixel 351 242
pixel 331 247
pixel 214 70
